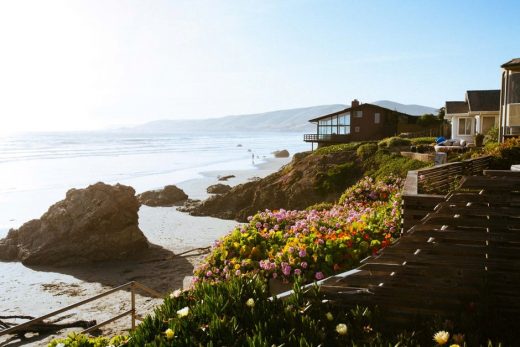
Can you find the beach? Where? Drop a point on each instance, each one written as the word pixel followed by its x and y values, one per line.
pixel 177 232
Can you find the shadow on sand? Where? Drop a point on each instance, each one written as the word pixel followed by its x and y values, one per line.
pixel 156 268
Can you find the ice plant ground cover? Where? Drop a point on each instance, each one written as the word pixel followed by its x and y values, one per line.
pixel 310 244
pixel 240 312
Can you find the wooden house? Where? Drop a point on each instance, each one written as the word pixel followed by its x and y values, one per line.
pixel 509 120
pixel 360 122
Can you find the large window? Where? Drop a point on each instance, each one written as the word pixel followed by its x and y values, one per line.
pixel 377 118
pixel 335 125
pixel 465 125
pixel 514 89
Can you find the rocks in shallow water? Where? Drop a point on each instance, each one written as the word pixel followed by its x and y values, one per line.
pixel 218 188
pixel 98 223
pixel 281 154
pixel 168 196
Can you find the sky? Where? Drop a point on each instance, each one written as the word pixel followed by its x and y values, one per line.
pixel 81 65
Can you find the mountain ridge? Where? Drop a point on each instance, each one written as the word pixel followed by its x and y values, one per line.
pixel 290 120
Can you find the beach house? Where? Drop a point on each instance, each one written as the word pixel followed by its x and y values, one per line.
pixel 478 113
pixel 360 122
pixel 510 100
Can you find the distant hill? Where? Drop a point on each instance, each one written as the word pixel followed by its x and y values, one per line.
pixel 296 120
pixel 414 110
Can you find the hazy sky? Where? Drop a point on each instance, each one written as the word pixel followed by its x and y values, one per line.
pixel 87 64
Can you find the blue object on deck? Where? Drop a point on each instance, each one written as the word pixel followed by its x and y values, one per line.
pixel 439 140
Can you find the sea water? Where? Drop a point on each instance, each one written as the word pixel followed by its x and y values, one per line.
pixel 37 169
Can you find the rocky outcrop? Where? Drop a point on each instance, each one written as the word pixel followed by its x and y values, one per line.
pixel 308 179
pixel 98 223
pixel 225 178
pixel 168 196
pixel 218 188
pixel 281 154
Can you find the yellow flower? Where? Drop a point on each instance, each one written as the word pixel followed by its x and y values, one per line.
pixel 169 334
pixel 341 329
pixel 183 312
pixel 454 345
pixel 441 337
pixel 237 266
pixel 250 302
pixel 329 316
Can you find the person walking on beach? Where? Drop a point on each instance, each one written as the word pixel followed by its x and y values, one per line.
pixel 253 158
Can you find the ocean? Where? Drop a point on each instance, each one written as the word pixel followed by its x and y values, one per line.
pixel 37 169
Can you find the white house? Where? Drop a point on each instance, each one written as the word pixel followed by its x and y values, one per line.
pixel 477 114
pixel 510 100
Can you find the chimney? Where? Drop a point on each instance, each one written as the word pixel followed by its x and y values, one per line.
pixel 355 103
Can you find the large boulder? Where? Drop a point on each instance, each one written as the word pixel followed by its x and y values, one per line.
pixel 168 196
pixel 98 223
pixel 281 154
pixel 218 188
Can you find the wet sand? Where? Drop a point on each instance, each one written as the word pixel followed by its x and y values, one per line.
pixel 36 291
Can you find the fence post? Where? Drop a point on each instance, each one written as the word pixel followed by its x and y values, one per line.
pixel 132 293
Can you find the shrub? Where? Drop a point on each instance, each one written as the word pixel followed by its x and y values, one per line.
pixel 366 150
pixel 338 177
pixel 504 154
pixel 491 135
pixel 320 206
pixel 394 142
pixel 423 140
pixel 352 146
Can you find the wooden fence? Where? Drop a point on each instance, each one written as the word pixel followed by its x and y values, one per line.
pixel 425 188
pixel 463 257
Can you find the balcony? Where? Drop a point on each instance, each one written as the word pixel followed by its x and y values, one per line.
pixel 329 138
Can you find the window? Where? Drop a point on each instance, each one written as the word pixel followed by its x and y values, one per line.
pixel 356 129
pixel 377 118
pixel 358 114
pixel 465 126
pixel 514 89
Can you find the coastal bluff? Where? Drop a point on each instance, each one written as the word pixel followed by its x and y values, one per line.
pixel 98 223
pixel 310 178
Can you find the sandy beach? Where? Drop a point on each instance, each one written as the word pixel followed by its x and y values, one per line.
pixel 161 270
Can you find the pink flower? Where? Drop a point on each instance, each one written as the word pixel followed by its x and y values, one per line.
pixel 209 273
pixel 302 253
pixel 303 264
pixel 319 275
pixel 297 272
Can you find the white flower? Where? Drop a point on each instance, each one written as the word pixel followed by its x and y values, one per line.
pixel 183 312
pixel 441 337
pixel 341 329
pixel 250 302
pixel 61 344
pixel 329 316
pixel 175 294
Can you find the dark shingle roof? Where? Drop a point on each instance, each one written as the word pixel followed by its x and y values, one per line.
pixel 483 100
pixel 456 107
pixel 360 107
pixel 512 63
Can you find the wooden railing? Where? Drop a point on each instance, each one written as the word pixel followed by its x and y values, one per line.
pixel 333 138
pixel 425 188
pixel 131 285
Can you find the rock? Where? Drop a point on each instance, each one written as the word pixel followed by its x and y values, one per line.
pixel 281 154
pixel 189 205
pixel 168 196
pixel 218 188
pixel 98 223
pixel 254 178
pixel 225 178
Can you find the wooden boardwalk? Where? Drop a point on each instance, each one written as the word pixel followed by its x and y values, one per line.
pixel 463 257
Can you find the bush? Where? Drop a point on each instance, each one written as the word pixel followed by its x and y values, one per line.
pixel 338 177
pixel 423 141
pixel 320 206
pixel 352 146
pixel 366 150
pixel 504 154
pixel 394 142
pixel 491 135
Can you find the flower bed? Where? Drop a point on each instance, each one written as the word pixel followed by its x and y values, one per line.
pixel 310 244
